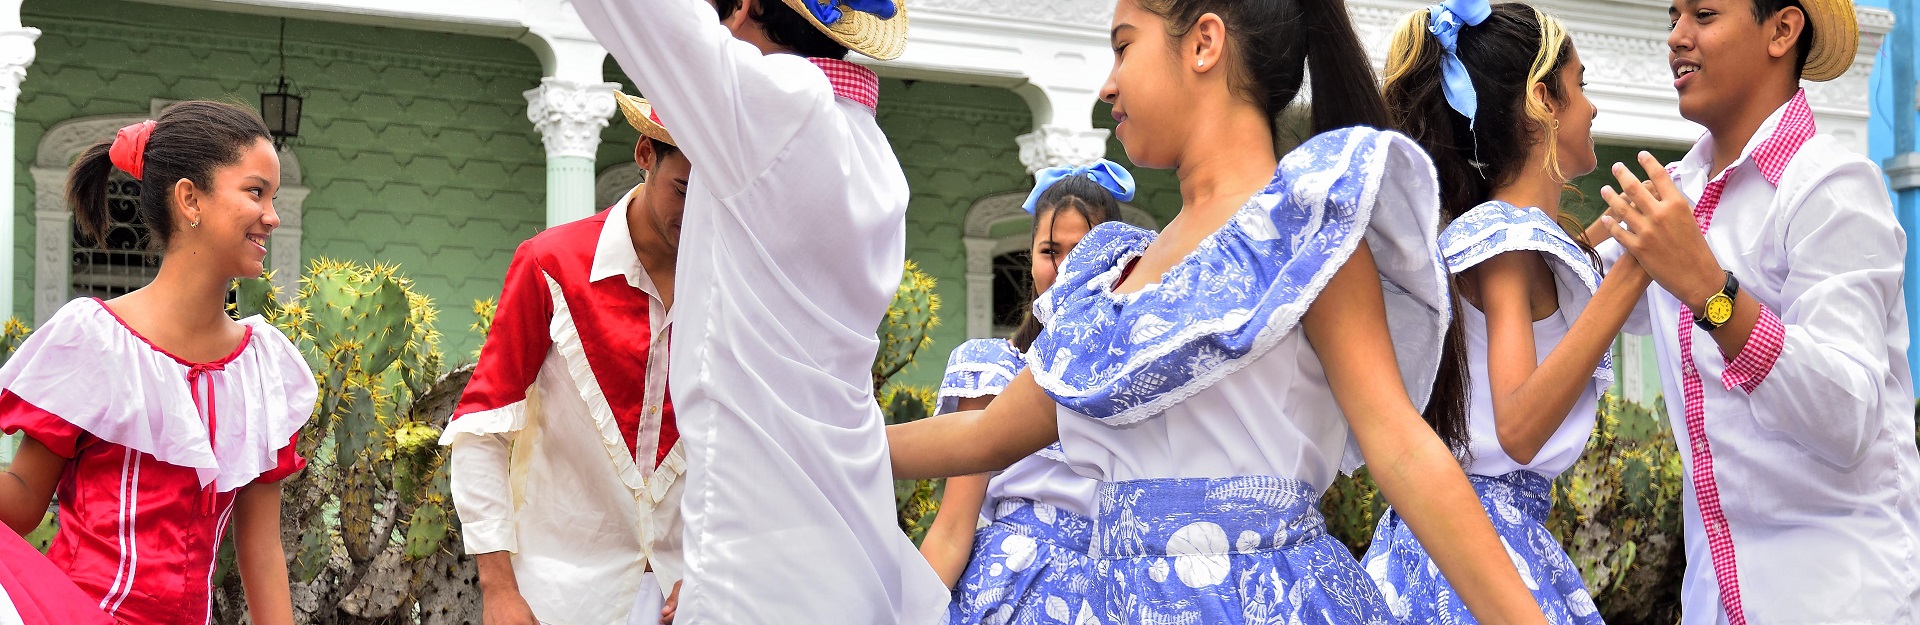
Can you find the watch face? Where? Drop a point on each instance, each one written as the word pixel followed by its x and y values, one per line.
pixel 1719 309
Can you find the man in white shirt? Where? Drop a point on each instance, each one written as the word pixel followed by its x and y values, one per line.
pixel 1778 249
pixel 565 461
pixel 794 244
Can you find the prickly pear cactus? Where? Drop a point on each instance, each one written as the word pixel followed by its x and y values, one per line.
pixel 914 312
pixel 368 525
pixel 1618 514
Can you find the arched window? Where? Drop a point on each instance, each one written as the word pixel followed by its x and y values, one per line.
pixel 997 260
pixel 122 263
pixel 1012 291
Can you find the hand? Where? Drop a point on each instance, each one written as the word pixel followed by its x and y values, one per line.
pixel 1654 222
pixel 505 607
pixel 673 603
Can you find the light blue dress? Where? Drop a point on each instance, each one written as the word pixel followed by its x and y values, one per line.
pixel 1203 409
pixel 1517 495
pixel 1029 564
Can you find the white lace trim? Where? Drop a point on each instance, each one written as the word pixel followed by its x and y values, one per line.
pixel 566 340
pixel 669 471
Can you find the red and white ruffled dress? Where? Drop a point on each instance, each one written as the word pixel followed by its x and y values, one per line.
pixel 145 498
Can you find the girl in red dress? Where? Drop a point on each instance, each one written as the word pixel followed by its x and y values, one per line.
pixel 157 419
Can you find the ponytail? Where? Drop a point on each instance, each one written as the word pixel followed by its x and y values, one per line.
pixel 87 191
pixel 1344 90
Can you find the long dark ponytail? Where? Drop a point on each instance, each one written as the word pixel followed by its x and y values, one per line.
pixel 189 141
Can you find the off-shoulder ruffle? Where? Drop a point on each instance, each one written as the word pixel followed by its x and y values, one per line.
pixel 1123 358
pixel 90 370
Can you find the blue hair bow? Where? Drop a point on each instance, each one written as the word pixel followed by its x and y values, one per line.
pixel 1108 174
pixel 828 11
pixel 1445 20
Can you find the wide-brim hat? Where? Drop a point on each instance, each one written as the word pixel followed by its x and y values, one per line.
pixel 866 33
pixel 1836 38
pixel 640 115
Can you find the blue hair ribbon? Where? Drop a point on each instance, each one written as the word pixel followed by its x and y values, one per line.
pixel 828 11
pixel 1108 174
pixel 1445 20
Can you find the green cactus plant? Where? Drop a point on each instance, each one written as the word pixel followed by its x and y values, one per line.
pixel 370 515
pixel 914 312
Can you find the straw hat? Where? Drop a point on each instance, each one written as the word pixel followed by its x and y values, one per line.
pixel 862 32
pixel 640 115
pixel 1836 37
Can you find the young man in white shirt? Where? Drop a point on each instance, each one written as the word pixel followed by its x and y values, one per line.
pixel 793 246
pixel 1780 327
pixel 565 464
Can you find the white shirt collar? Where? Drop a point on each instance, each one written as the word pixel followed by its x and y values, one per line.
pixel 613 254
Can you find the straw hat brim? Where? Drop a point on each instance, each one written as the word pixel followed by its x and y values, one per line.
pixel 1836 38
pixel 639 114
pixel 863 32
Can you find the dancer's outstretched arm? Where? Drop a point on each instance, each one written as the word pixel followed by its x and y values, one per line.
pixel 1347 326
pixel 1018 422
pixel 949 541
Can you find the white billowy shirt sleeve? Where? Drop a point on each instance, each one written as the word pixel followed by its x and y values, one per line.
pixel 730 108
pixel 482 497
pixel 1816 365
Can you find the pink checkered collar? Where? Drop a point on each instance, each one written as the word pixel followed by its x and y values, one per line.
pixel 851 81
pixel 1773 146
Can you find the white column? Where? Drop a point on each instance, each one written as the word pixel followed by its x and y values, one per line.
pixel 570 115
pixel 1061 146
pixel 1061 92
pixel 16 53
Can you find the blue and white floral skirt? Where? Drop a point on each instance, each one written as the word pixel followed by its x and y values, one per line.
pixel 1250 549
pixel 1518 503
pixel 1029 567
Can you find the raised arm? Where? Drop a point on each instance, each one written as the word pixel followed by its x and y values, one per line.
pixel 1347 326
pixel 731 108
pixel 1018 422
pixel 1531 397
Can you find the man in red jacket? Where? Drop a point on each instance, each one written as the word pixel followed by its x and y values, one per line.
pixel 565 459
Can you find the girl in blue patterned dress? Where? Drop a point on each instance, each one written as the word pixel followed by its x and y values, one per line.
pixel 1537 321
pixel 1214 378
pixel 1028 565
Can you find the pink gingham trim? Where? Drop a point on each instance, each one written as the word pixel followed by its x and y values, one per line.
pixel 1748 368
pixel 851 81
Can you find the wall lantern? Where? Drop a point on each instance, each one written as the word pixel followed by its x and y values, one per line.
pixel 281 108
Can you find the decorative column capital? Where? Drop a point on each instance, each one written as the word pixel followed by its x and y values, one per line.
pixel 1061 146
pixel 570 115
pixel 16 54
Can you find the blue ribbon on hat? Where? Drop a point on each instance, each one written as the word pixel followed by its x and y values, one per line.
pixel 1445 20
pixel 828 11
pixel 1108 174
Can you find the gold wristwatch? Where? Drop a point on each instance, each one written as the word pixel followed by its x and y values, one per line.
pixel 1719 308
